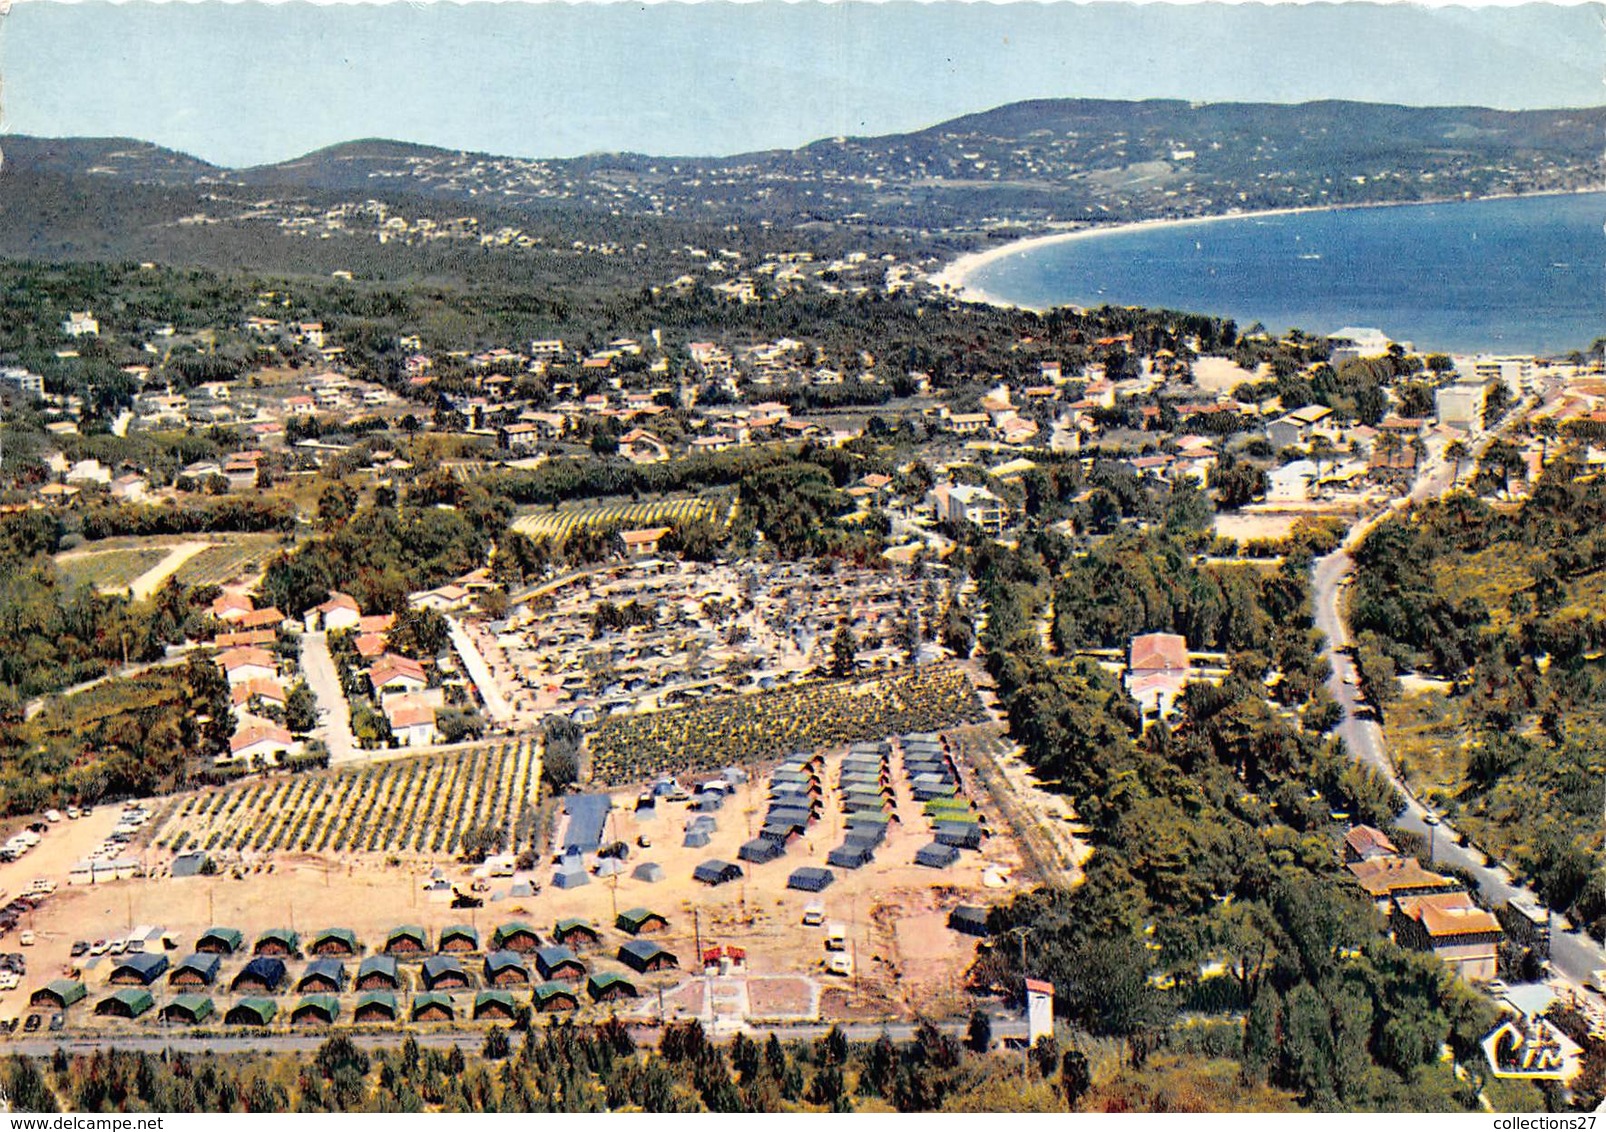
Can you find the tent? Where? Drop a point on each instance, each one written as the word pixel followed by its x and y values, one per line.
pixel 644 955
pixel 650 871
pixel 570 878
pixel 716 872
pixel 610 866
pixel 810 878
pixel 264 974
pixel 969 920
pixel 961 835
pixel 375 1006
pixel 696 839
pixel 130 1002
pixel 760 851
pixel 252 1012
pixel 188 1009
pixel 937 856
pixel 850 856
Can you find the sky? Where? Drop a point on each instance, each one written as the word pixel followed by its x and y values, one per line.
pixel 246 83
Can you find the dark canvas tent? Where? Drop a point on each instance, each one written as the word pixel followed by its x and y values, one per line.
pixel 696 839
pixel 716 872
pixel 937 856
pixel 969 919
pixel 264 974
pixel 650 871
pixel 445 972
pixel 850 856
pixel 378 973
pixel 642 921
pixel 961 835
pixel 810 878
pixel 761 851
pixel 575 932
pixel 138 970
pixel 322 976
pixel 198 970
pixel 644 955
pixel 570 878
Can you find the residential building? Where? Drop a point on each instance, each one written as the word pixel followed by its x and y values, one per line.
pixel 643 543
pixel 1157 670
pixel 1460 405
pixel 81 324
pixel 1451 926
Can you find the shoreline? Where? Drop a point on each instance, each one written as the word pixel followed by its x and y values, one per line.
pixel 953 279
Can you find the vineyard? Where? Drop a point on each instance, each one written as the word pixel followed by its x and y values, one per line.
pixel 418 806
pixel 242 558
pixel 112 564
pixel 558 525
pixel 807 717
pixel 108 570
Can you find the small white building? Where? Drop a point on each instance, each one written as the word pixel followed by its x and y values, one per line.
pixel 81 324
pixel 1460 405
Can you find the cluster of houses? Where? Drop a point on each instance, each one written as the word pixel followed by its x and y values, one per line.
pixel 246 640
pixel 452 974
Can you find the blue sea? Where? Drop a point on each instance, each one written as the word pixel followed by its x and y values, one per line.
pixel 1522 275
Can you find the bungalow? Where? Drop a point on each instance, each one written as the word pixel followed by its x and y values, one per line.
pixel 378 972
pixel 259 742
pixel 642 447
pixel 278 941
pixel 375 1006
pixel 406 940
pixel 459 938
pixel 246 638
pixel 138 970
pixel 316 1010
pixel 220 941
pixel 515 935
pixel 1157 670
pixel 392 673
pixel 1390 878
pixel 442 599
pixel 267 691
pixel 555 996
pixel 188 1010
pixel 1363 843
pixel 130 1002
pixel 606 986
pixel 262 975
pixel 443 972
pixel 506 969
pixel 242 664
pixel 58 994
pixel 494 1005
pixel 576 933
pixel 643 543
pixel 251 1012
pixel 341 611
pixel 197 970
pixel 645 956
pixel 639 921
pixel 412 720
pixel 231 606
pixel 1450 925
pixel 322 976
pixel 269 618
pixel 559 963
pixel 430 1007
pixel 370 645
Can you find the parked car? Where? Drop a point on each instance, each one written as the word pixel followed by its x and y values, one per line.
pixel 26 939
pixel 33 1023
pixel 58 1021
pixel 80 947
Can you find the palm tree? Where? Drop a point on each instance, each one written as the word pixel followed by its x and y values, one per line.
pixel 1456 452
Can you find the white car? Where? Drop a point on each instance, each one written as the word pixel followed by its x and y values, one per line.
pixel 26 939
pixel 9 980
pixel 839 964
pixel 52 816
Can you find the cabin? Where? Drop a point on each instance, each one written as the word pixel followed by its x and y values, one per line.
pixel 378 973
pixel 262 975
pixel 494 1005
pixel 130 1002
pixel 458 938
pixel 810 878
pixel 138 970
pixel 506 969
pixel 252 1012
pixel 576 933
pixel 406 942
pixel 556 996
pixel 58 994
pixel 339 943
pixel 278 942
pixel 188 1010
pixel 606 986
pixel 431 1007
pixel 644 956
pixel 375 1006
pixel 443 972
pixel 559 963
pixel 322 976
pixel 515 935
pixel 640 921
pixel 221 941
pixel 316 1010
pixel 197 970
pixel 716 872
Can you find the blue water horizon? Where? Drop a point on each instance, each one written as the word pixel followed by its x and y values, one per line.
pixel 1520 275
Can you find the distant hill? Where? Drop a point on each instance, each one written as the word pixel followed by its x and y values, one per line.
pixel 1030 163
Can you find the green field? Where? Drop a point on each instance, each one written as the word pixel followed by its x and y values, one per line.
pixel 238 557
pixel 110 570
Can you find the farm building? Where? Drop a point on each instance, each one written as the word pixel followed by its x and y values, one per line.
pixel 58 994
pixel 281 942
pixel 138 970
pixel 506 969
pixel 335 942
pixel 496 1005
pixel 644 955
pixel 221 941
pixel 130 1002
pixel 252 1012
pixel 559 963
pixel 697 838
pixel 188 1009
pixel 431 1007
pixel 969 920
pixel 459 937
pixel 850 856
pixel 717 872
pixel 587 815
pixel 810 878
pixel 576 933
pixel 375 1006
pixel 378 973
pixel 556 996
pixel 760 851
pixel 649 871
pixel 407 940
pixel 322 976
pixel 605 986
pixel 316 1010
pixel 198 970
pixel 515 935
pixel 639 921
pixel 936 855
pixel 263 975
pixel 442 972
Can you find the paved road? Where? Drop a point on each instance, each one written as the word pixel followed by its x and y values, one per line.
pixel 496 705
pixel 334 715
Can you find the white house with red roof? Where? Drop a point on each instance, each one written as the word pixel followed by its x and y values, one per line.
pixel 1157 670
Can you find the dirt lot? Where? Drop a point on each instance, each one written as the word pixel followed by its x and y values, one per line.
pixel 901 961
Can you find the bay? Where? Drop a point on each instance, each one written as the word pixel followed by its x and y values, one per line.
pixel 1518 275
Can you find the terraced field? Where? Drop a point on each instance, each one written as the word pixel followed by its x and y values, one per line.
pixel 405 806
pixel 557 525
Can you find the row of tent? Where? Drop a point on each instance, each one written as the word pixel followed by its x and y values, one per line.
pixel 865 787
pixel 934 783
pixel 403 941
pixel 268 974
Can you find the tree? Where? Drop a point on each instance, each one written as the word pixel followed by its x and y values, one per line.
pixel 301 709
pixel 497 1045
pixel 844 652
pixel 979 1035
pixel 1456 452
pixel 1076 1076
pixel 336 504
